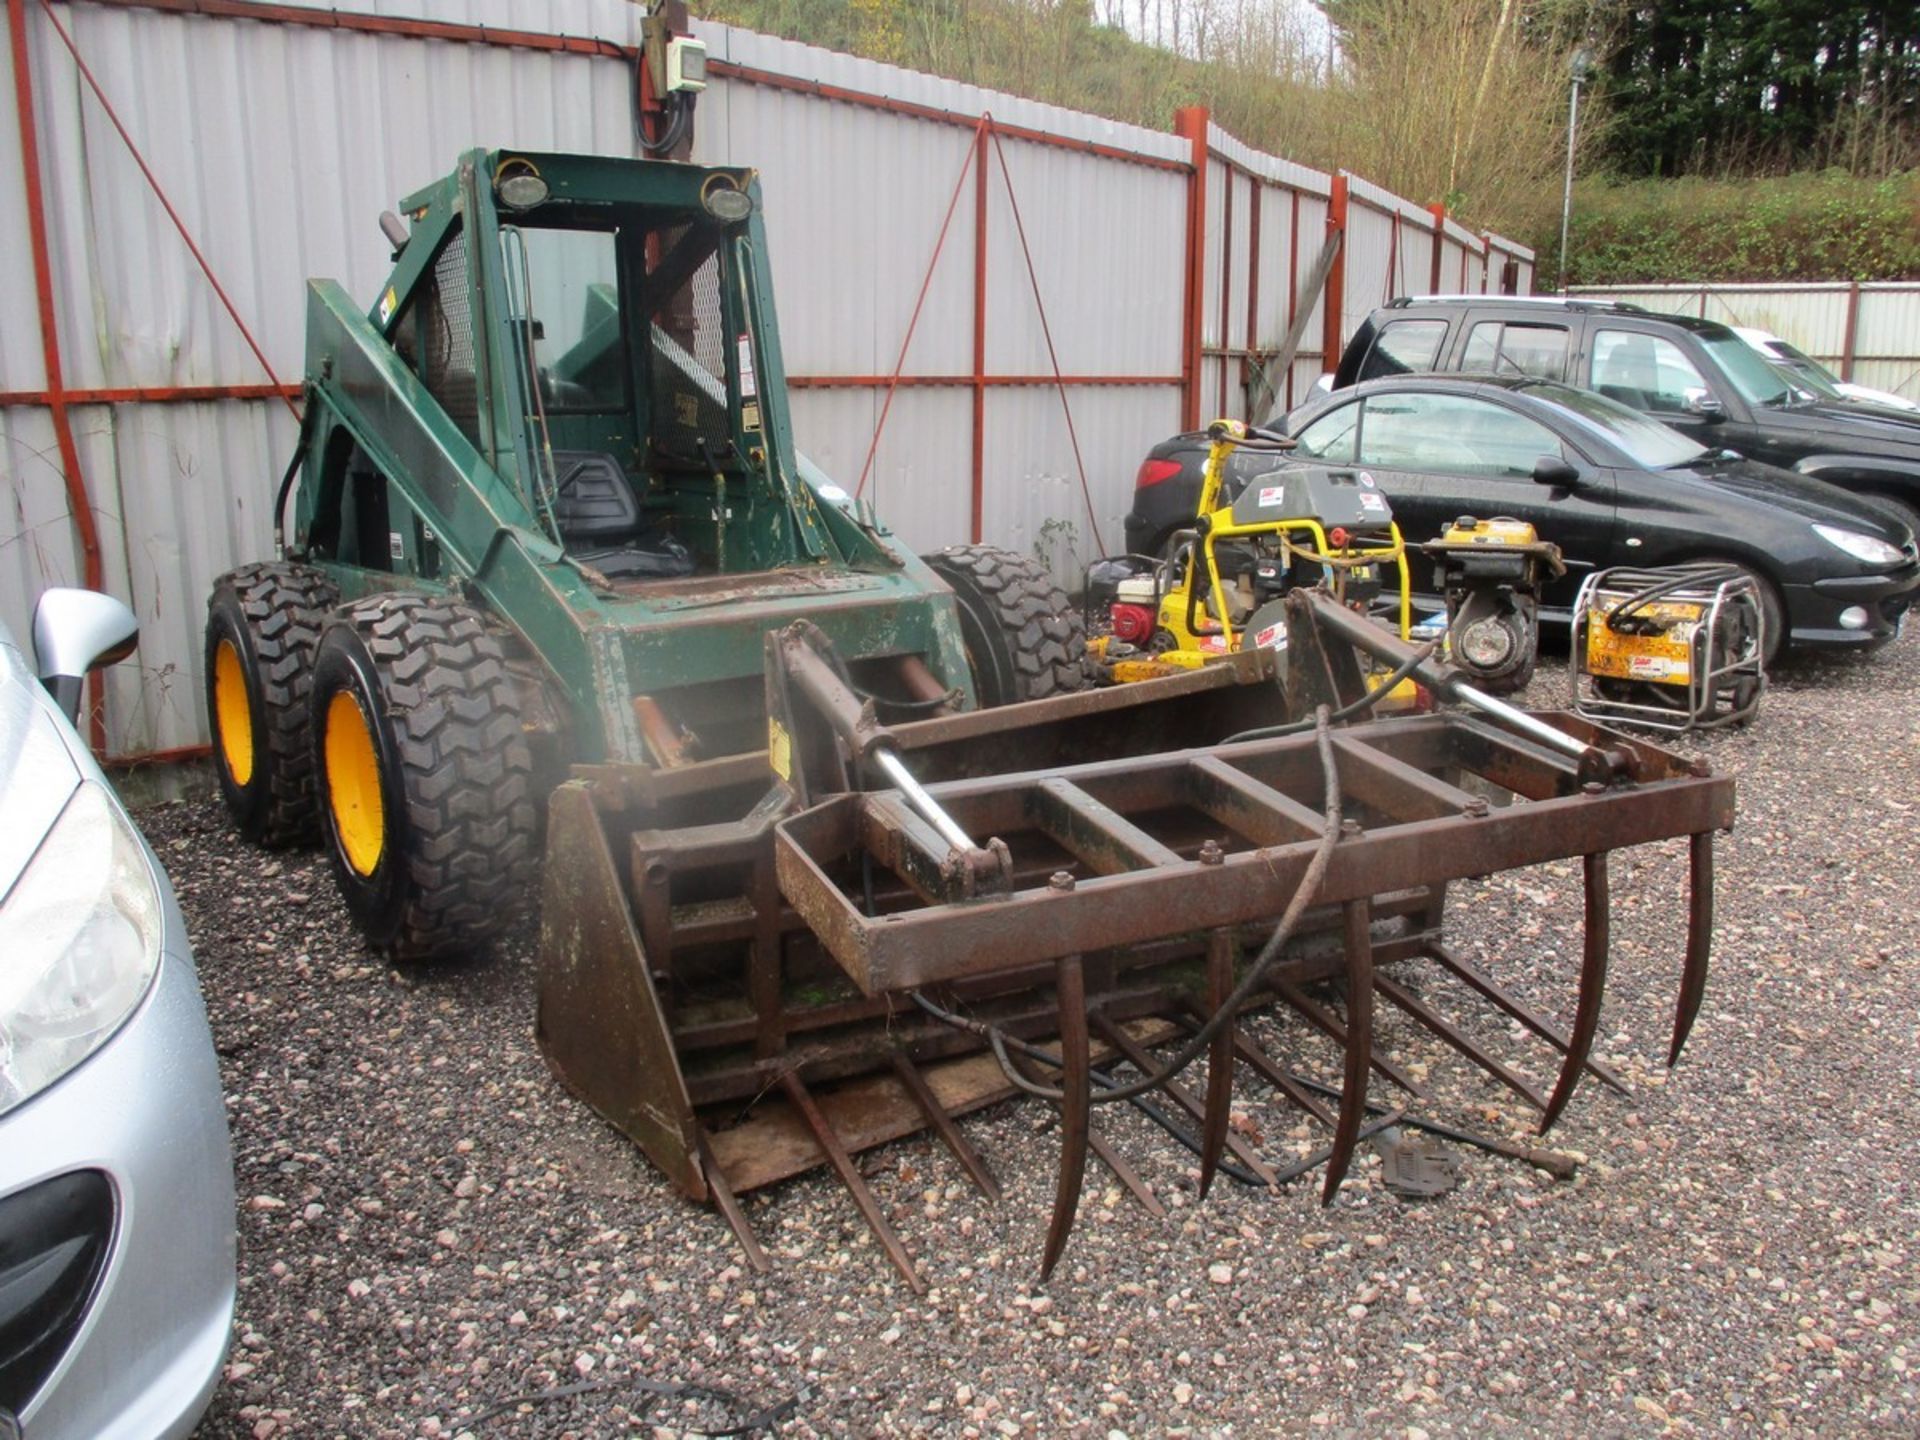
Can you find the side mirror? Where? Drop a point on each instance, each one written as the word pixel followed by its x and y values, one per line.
pixel 75 631
pixel 1556 470
pixel 1698 401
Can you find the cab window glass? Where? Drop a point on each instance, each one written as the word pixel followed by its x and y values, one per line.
pixel 567 298
pixel 1642 371
pixel 1404 347
pixel 1331 437
pixel 1454 434
pixel 1506 348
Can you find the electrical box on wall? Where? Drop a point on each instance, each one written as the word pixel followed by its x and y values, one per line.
pixel 686 64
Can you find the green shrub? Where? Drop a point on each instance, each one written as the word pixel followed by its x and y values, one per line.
pixel 1825 225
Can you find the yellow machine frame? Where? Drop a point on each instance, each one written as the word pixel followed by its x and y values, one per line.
pixel 1226 437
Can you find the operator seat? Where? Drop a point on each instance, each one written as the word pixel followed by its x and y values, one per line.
pixel 602 525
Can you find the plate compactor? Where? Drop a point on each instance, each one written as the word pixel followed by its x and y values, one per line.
pixel 839 843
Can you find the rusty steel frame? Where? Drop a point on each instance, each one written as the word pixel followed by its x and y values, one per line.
pixel 791 951
pixel 1139 890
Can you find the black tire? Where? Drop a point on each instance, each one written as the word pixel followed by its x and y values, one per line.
pixel 263 623
pixel 425 778
pixel 1023 639
pixel 1773 610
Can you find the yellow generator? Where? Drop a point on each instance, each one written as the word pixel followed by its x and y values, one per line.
pixel 1673 649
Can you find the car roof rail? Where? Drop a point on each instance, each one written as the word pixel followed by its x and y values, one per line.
pixel 1562 302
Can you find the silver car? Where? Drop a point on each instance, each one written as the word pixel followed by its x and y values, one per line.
pixel 116 1180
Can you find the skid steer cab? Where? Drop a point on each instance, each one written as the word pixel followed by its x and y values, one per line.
pixel 839 843
pixel 544 507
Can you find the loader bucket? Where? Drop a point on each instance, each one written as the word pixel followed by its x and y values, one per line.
pixel 753 974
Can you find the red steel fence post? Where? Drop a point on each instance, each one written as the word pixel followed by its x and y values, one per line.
pixel 1332 320
pixel 93 573
pixel 1191 123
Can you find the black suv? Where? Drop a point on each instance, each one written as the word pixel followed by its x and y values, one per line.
pixel 1694 375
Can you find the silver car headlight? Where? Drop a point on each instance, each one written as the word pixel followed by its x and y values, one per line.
pixel 79 944
pixel 1861 547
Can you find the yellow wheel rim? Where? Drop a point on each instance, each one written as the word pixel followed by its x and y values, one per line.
pixel 233 713
pixel 353 784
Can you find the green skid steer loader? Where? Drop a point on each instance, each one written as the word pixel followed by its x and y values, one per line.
pixel 838 842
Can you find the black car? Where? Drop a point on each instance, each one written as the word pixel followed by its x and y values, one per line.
pixel 1606 484
pixel 1695 375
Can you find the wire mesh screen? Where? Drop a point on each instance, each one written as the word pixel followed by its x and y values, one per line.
pixel 446 322
pixel 690 366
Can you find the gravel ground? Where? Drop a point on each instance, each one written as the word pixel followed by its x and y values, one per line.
pixel 430 1224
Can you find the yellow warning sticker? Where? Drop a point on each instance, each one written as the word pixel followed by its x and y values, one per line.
pixel 779 749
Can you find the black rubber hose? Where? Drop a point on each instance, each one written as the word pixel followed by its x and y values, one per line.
pixel 1346 712
pixel 1640 599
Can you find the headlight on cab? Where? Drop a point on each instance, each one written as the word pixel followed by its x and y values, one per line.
pixel 1861 547
pixel 79 944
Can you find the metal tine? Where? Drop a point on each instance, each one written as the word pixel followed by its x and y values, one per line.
pixel 1538 1024
pixel 1101 1146
pixel 1137 1056
pixel 1593 981
pixel 1214 1125
pixel 1434 1021
pixel 1317 1016
pixel 1076 1105
pixel 842 1162
pixel 943 1126
pixel 1128 1176
pixel 1353 1091
pixel 1693 977
pixel 729 1204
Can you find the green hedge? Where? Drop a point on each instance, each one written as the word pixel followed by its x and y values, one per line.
pixel 1816 226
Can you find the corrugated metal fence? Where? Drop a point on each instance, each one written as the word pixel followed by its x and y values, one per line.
pixel 1866 332
pixel 1127 280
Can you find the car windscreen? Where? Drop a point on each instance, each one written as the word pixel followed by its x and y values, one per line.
pixel 1747 370
pixel 1647 442
pixel 1803 369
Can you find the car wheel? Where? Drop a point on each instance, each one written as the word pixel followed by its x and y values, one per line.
pixel 1022 637
pixel 1773 610
pixel 263 622
pixel 425 775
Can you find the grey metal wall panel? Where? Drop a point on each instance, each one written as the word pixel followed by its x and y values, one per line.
pixel 1245 195
pixel 1370 252
pixel 1413 267
pixel 1887 337
pixel 808 62
pixel 1034 502
pixel 37 545
pixel 1108 244
pixel 221 110
pixel 920 484
pixel 1210 337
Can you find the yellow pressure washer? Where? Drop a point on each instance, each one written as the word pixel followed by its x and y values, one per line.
pixel 1220 588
